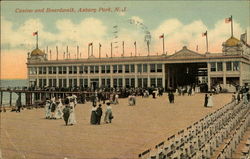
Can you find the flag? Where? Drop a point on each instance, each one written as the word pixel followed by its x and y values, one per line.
pixel 228 20
pixel 100 45
pixel 35 33
pixel 243 37
pixel 162 36
pixel 90 44
pixel 204 34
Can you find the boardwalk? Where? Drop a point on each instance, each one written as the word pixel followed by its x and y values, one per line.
pixel 134 129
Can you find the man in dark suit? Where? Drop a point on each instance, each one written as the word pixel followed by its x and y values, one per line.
pixel 99 114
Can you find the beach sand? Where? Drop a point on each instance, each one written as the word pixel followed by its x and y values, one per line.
pixel 134 129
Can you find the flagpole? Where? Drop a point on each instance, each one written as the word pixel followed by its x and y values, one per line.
pixel 232 26
pixel 163 44
pixel 77 51
pixel 56 53
pixel 207 41
pixel 88 51
pixel 111 50
pixel 67 52
pixel 91 49
pixel 37 40
pixel 123 48
pixel 135 48
pixel 99 50
pixel 148 47
pixel 50 54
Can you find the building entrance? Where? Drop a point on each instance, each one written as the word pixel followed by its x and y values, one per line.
pixel 183 74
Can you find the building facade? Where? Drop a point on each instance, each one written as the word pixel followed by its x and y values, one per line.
pixel 228 69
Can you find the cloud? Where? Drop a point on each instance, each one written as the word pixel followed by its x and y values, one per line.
pixel 178 35
pixel 93 30
pixel 136 19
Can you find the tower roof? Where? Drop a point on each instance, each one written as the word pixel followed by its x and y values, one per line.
pixel 36 52
pixel 232 41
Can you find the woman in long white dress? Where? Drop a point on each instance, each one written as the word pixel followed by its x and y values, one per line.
pixel 210 101
pixel 72 117
pixel 108 114
pixel 47 109
pixel 59 108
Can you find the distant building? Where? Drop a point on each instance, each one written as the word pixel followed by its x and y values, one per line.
pixel 229 69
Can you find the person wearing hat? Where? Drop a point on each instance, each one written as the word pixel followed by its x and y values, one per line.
pixel 47 108
pixel 66 112
pixel 93 117
pixel 99 114
pixel 108 114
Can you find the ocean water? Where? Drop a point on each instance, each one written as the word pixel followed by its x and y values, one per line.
pixel 12 83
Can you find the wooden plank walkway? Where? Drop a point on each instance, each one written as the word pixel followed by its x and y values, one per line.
pixel 133 130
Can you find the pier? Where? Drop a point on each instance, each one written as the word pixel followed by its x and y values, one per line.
pixel 38 97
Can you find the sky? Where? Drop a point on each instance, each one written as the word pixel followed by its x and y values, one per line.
pixel 103 22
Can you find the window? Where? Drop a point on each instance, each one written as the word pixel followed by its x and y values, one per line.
pixel 103 82
pixel 70 70
pixel 114 68
pixel 96 69
pixel 81 69
pixel 103 69
pixel 74 82
pixel 115 82
pixel 159 82
pixel 44 82
pixel 219 66
pixel 126 68
pixel 44 70
pixel 132 68
pixel 159 67
pixel 50 82
pixel 54 70
pixel 32 71
pixel 108 82
pixel 40 70
pixel 86 69
pixel 139 68
pixel 107 68
pixel 60 83
pixel 236 66
pixel 50 70
pixel 120 82
pixel 60 70
pixel 229 66
pixel 70 82
pixel 75 69
pixel 92 69
pixel 145 67
pixel 152 82
pixel 85 82
pixel 132 82
pixel 152 67
pixel 81 82
pixel 54 82
pixel 40 82
pixel 213 66
pixel 64 70
pixel 145 82
pixel 127 82
pixel 139 82
pixel 119 68
pixel 64 82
